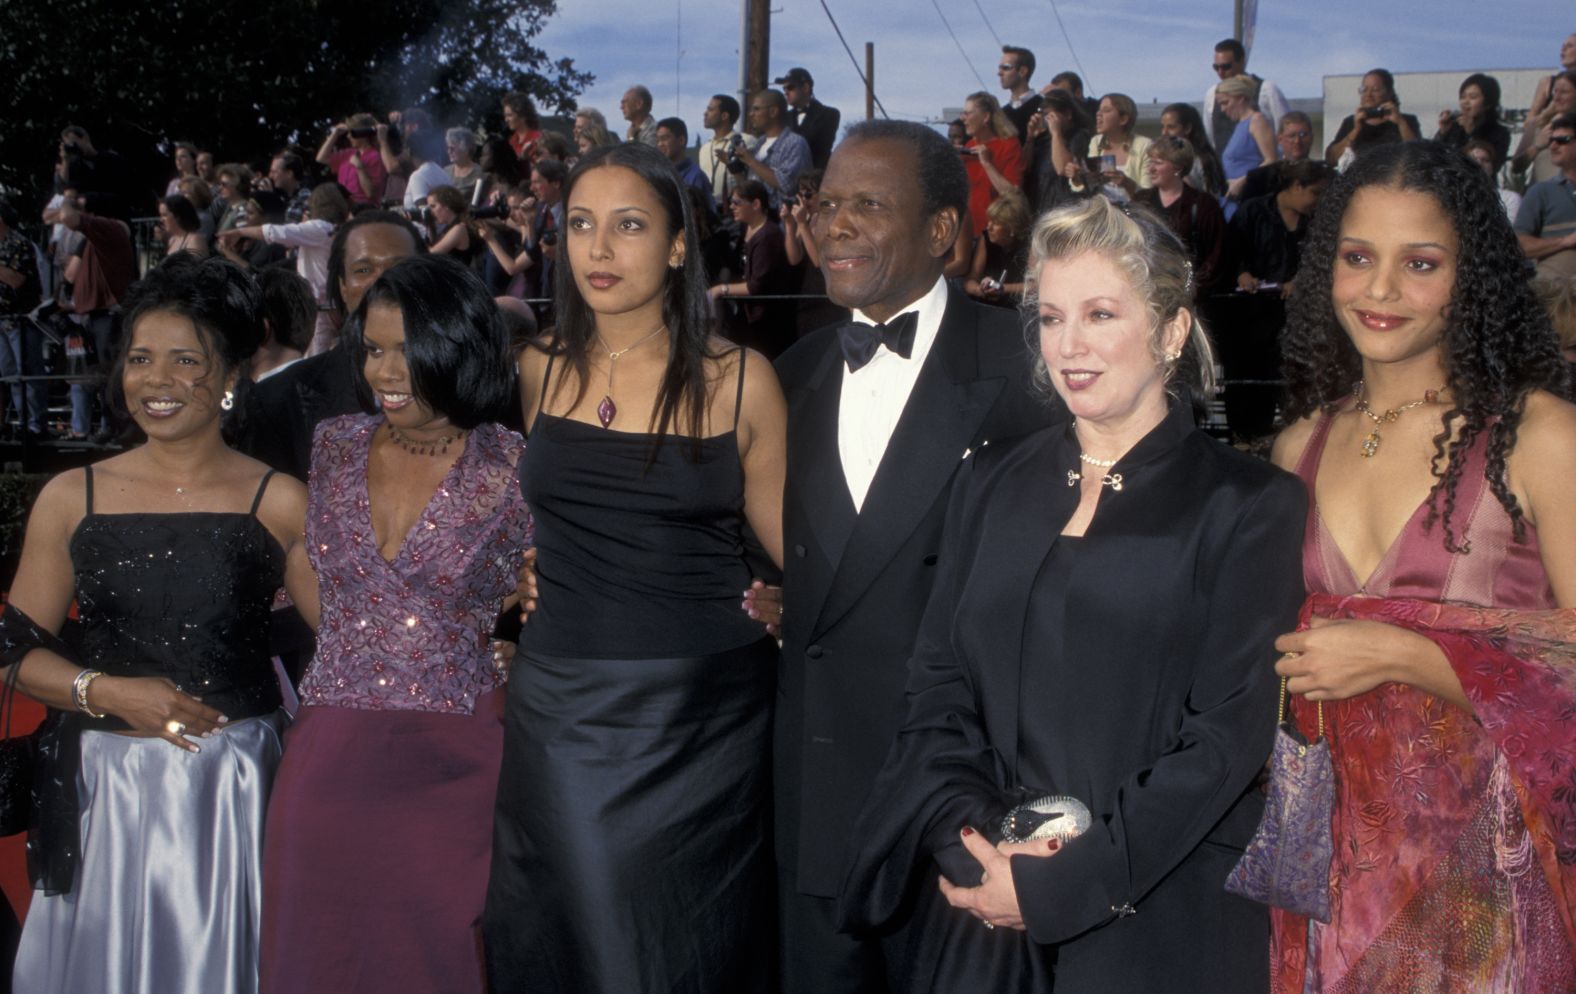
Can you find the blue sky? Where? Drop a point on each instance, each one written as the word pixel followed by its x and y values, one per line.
pixel 685 50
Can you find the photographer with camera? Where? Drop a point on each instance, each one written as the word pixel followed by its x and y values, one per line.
pixel 448 219
pixel 721 114
pixel 358 166
pixel 1377 121
pixel 535 218
pixel 313 240
pixel 782 154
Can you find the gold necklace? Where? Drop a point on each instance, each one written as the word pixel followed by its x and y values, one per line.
pixel 607 410
pixel 1372 439
pixel 436 446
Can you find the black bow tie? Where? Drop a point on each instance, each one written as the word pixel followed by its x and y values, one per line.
pixel 860 341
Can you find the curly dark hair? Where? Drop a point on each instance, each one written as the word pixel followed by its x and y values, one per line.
pixel 1498 344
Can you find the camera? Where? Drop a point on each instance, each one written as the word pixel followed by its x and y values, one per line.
pixel 490 212
pixel 1373 112
pixel 363 132
pixel 548 238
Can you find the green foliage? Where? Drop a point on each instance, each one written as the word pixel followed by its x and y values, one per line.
pixel 245 78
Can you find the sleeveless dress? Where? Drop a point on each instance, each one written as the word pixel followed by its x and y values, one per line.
pixel 631 850
pixel 379 829
pixel 1241 152
pixel 166 893
pixel 1425 893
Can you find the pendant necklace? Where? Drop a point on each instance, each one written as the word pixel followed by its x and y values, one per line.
pixel 1112 480
pixel 1371 440
pixel 431 447
pixel 607 410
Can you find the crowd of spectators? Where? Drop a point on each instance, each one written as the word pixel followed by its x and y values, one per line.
pixel 1236 181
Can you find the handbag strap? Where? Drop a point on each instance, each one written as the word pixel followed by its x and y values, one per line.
pixel 8 696
pixel 1280 709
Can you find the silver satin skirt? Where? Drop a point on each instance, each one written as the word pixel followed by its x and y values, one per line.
pixel 167 898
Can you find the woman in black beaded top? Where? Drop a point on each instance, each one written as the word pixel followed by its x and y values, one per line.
pixel 170 725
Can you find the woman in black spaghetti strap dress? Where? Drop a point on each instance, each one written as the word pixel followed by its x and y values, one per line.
pixel 630 850
pixel 148 853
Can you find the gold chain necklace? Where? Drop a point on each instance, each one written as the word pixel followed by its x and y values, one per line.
pixel 1372 439
pixel 607 410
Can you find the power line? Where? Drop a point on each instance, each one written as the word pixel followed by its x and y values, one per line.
pixel 851 58
pixel 955 41
pixel 1088 86
pixel 988 25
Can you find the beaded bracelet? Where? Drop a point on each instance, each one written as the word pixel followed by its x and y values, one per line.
pixel 79 691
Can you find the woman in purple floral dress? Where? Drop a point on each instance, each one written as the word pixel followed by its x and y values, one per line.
pixel 379 831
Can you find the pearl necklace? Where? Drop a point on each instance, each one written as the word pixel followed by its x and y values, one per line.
pixel 1112 480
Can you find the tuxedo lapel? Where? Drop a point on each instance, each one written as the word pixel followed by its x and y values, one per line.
pixel 940 421
pixel 821 494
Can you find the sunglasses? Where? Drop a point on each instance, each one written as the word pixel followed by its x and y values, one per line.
pixel 1562 139
pixel 1004 67
pixel 1221 66
pixel 1298 134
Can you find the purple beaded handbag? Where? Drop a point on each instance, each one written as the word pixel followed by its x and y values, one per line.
pixel 1287 862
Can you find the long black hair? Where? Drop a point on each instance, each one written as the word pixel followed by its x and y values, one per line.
pixel 1497 341
pixel 1208 158
pixel 682 398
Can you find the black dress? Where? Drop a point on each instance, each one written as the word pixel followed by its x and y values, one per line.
pixel 630 849
pixel 1131 668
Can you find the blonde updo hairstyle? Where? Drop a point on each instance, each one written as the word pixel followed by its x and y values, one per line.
pixel 1154 260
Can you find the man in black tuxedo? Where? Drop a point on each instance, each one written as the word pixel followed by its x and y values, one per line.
pixel 881 414
pixel 283 410
pixel 815 121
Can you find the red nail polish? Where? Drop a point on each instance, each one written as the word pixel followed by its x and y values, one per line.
pixel 967 830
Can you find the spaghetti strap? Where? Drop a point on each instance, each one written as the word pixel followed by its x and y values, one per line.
pixel 87 479
pixel 547 379
pixel 258 499
pixel 738 398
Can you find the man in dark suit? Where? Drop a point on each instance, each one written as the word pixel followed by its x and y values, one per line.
pixel 809 116
pixel 881 414
pixel 283 410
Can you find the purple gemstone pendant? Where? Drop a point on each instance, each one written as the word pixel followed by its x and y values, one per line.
pixel 606 411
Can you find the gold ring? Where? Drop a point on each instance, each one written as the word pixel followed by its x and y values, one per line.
pixel 1290 655
pixel 175 727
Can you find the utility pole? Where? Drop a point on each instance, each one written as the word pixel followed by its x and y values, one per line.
pixel 1236 19
pixel 757 46
pixel 870 81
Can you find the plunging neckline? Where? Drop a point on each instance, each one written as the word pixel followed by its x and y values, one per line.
pixel 444 486
pixel 1385 559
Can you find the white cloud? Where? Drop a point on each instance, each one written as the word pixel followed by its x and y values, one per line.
pixel 685 50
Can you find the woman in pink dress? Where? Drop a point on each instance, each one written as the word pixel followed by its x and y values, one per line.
pixel 380 826
pixel 1440 553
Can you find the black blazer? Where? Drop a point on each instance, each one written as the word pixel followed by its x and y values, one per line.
pixel 819 130
pixel 855 583
pixel 283 410
pixel 1154 705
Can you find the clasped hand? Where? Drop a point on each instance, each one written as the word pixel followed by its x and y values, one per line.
pixel 155 705
pixel 1334 660
pixel 995 900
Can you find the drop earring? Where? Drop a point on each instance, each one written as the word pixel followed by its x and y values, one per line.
pixel 227 403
